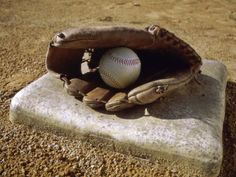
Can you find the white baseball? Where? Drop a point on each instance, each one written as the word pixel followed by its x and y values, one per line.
pixel 119 67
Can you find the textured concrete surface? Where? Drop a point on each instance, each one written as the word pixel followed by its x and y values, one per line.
pixel 184 129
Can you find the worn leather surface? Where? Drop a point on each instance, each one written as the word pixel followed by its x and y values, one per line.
pixel 167 63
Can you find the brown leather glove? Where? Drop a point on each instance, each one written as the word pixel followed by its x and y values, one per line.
pixel 167 63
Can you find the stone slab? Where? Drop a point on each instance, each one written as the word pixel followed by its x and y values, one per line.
pixel 183 130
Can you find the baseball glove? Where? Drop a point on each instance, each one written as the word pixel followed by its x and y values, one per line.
pixel 167 63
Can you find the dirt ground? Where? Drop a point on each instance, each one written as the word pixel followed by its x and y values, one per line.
pixel 25 30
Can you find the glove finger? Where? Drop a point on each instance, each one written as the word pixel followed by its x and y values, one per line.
pixel 118 102
pixel 151 91
pixel 77 87
pixel 97 97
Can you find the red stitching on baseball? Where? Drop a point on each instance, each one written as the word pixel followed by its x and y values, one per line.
pixel 125 61
pixel 114 82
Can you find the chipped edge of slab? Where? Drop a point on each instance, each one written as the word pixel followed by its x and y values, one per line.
pixel 186 166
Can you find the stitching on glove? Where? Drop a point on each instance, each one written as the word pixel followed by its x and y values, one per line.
pixel 161 89
pixel 65 79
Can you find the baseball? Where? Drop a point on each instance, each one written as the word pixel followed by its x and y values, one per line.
pixel 119 67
